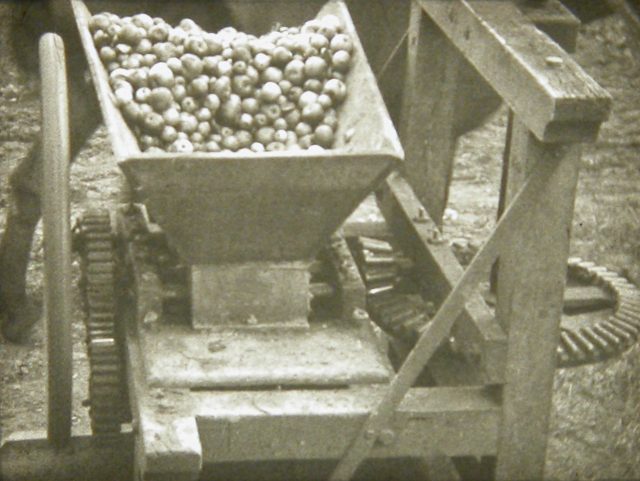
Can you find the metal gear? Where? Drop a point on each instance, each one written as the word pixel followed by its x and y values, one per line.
pixel 108 407
pixel 400 312
pixel 595 339
pixel 584 338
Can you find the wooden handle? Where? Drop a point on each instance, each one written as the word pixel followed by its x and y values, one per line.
pixel 57 236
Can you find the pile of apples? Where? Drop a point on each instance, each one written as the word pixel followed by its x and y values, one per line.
pixel 182 89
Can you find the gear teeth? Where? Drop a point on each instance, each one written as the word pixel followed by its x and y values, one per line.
pixel 630 328
pixel 107 402
pixel 379 290
pixel 598 342
pixel 385 273
pixel 381 269
pixel 612 339
pixel 573 349
pixel 375 245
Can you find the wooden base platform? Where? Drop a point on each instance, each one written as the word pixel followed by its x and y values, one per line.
pixel 326 354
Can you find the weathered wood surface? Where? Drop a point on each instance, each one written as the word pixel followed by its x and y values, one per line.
pixel 163 449
pixel 245 426
pixel 329 353
pixel 258 294
pixel 476 332
pixel 57 235
pixel 536 78
pixel 28 456
pixel 445 96
pixel 531 281
pixel 439 327
pixel 427 124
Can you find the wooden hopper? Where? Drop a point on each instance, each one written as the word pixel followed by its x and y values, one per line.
pixel 276 206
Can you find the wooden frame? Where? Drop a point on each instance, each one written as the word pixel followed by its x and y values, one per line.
pixel 508 416
pixel 555 105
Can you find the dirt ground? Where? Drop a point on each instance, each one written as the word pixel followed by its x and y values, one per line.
pixel 595 431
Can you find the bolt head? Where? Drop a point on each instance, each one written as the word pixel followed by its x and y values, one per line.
pixel 553 61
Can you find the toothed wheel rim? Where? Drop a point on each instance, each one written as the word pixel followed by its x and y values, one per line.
pixel 405 316
pixel 607 338
pixel 382 269
pixel 107 396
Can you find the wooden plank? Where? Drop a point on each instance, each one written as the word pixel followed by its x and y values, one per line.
pixel 57 232
pixel 123 141
pixel 476 332
pixel 427 121
pixel 258 294
pixel 531 281
pixel 164 448
pixel 333 352
pixel 438 98
pixel 28 456
pixel 439 327
pixel 537 79
pixel 319 424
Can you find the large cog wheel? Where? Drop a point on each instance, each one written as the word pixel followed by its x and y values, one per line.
pixel 584 338
pixel 108 406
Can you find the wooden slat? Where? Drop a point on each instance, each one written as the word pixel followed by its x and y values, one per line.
pixel 476 331
pixel 263 294
pixel 427 124
pixel 538 80
pixel 531 281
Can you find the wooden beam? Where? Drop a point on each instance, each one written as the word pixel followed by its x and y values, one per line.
pixel 27 456
pixel 319 424
pixel 536 78
pixel 531 280
pixel 439 327
pixel 166 446
pixel 477 333
pixel 427 124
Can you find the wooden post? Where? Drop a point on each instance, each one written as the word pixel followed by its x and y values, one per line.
pixel 427 127
pixel 556 105
pixel 531 283
pixel 57 236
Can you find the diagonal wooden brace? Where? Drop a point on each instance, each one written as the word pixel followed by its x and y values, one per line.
pixel 382 415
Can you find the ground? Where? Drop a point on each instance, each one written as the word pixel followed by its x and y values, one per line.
pixel 595 425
